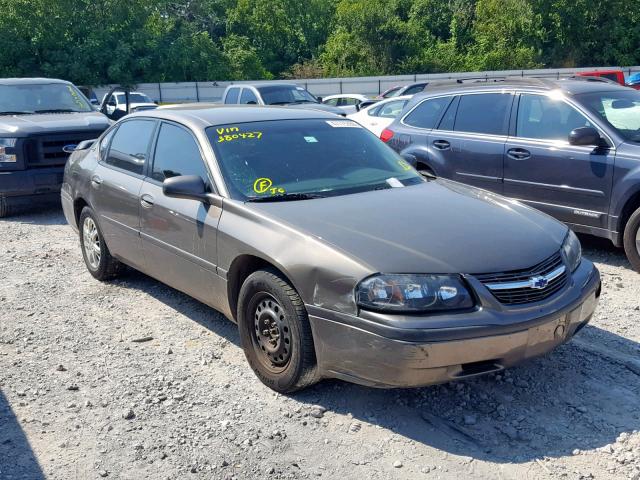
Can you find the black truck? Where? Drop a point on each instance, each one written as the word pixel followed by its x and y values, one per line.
pixel 41 121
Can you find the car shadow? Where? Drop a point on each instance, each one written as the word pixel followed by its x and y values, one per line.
pixel 581 396
pixel 17 459
pixel 37 213
pixel 601 250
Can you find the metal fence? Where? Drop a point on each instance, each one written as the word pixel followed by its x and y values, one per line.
pixel 212 91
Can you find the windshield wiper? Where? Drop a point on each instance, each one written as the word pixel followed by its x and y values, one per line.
pixel 16 113
pixel 305 101
pixel 57 110
pixel 285 197
pixel 280 103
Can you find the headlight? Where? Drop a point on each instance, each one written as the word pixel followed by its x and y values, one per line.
pixel 7 155
pixel 413 293
pixel 572 250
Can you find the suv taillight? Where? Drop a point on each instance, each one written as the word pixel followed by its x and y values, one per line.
pixel 386 135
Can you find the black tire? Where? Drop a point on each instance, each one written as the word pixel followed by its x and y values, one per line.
pixel 632 240
pixel 424 170
pixel 4 207
pixel 283 359
pixel 106 267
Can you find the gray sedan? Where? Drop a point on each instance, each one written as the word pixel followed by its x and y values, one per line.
pixel 331 253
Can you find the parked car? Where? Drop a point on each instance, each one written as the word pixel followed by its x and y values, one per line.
pixel 349 102
pixel 333 255
pixel 38 118
pixel 634 81
pixel 115 103
pixel 275 93
pixel 379 116
pixel 569 148
pixel 400 90
pixel 614 75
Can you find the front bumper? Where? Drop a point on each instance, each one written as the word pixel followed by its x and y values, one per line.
pixel 33 181
pixel 369 352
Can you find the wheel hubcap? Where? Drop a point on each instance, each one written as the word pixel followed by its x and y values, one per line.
pixel 272 333
pixel 91 242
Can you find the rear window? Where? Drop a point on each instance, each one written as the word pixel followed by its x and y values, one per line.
pixel 485 113
pixel 319 156
pixel 427 113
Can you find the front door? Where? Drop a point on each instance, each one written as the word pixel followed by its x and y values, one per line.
pixel 469 141
pixel 571 183
pixel 179 236
pixel 116 184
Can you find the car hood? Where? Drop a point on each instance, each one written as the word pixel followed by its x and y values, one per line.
pixel 21 125
pixel 436 227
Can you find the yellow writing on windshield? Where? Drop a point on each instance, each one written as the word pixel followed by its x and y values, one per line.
pixel 265 185
pixel 404 165
pixel 76 98
pixel 229 134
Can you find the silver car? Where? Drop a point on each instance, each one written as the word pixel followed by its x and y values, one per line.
pixel 332 254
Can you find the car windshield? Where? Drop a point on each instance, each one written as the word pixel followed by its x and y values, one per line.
pixel 134 98
pixel 284 94
pixel 268 160
pixel 47 97
pixel 392 92
pixel 619 108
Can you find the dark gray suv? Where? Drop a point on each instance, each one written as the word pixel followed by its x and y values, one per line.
pixel 570 148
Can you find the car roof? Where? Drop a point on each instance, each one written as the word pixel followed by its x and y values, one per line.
pixel 570 86
pixel 198 117
pixel 265 83
pixel 32 81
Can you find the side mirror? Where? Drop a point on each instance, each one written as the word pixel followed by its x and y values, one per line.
pixel 190 187
pixel 586 136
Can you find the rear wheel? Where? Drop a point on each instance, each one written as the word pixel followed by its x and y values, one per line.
pixel 96 255
pixel 275 332
pixel 4 207
pixel 632 240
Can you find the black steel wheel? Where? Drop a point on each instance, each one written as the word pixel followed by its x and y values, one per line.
pixel 275 332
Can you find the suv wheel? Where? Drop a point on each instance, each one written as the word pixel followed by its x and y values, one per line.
pixel 275 332
pixel 96 255
pixel 632 240
pixel 4 207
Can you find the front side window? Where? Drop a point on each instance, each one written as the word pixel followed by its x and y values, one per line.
pixel 486 113
pixel 232 96
pixel 42 98
pixel 130 145
pixel 619 108
pixel 547 118
pixel 427 113
pixel 391 109
pixel 323 157
pixel 176 154
pixel 248 97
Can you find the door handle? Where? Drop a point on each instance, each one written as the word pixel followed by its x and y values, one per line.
pixel 96 181
pixel 146 200
pixel 518 153
pixel 441 144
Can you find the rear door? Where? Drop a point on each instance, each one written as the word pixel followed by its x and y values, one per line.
pixel 572 183
pixel 116 184
pixel 232 96
pixel 469 141
pixel 179 235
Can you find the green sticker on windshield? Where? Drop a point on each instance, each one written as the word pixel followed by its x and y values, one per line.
pixel 229 134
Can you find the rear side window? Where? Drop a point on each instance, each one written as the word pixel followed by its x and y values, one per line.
pixel 176 154
pixel 332 101
pixel 232 95
pixel 104 144
pixel 130 145
pixel 427 114
pixel 248 97
pixel 485 113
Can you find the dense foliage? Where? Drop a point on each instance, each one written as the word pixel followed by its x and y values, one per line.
pixel 128 41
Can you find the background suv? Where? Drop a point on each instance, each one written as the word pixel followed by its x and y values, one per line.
pixel 570 148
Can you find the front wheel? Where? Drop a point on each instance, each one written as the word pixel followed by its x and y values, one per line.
pixel 632 240
pixel 275 332
pixel 96 255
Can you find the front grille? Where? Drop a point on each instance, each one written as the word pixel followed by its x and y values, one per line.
pixel 46 150
pixel 498 283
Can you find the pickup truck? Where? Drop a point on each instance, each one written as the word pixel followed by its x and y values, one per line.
pixel 41 121
pixel 275 93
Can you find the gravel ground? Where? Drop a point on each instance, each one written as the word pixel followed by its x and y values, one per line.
pixel 134 380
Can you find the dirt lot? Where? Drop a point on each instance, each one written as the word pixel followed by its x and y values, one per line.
pixel 81 399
